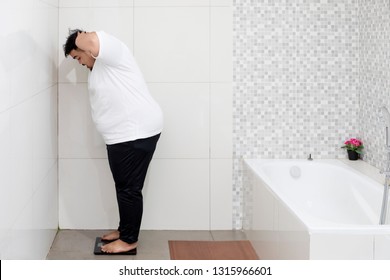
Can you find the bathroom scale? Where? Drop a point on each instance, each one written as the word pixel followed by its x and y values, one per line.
pixel 99 243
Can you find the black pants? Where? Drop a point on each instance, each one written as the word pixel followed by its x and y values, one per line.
pixel 129 162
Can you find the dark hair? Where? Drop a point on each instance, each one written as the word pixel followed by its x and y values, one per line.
pixel 71 41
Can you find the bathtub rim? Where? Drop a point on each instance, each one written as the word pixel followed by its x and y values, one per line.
pixel 315 224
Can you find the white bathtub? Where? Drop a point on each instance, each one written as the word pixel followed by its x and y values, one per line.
pixel 320 209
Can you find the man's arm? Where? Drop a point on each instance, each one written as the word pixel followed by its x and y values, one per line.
pixel 88 42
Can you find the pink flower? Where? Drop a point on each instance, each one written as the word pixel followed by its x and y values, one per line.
pixel 355 142
pixel 354 145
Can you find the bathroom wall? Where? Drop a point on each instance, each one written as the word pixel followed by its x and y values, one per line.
pixel 374 76
pixel 184 49
pixel 28 128
pixel 296 81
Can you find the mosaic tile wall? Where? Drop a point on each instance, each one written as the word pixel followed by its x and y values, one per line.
pixel 296 81
pixel 374 55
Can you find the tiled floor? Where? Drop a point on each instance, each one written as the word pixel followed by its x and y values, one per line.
pixel 152 245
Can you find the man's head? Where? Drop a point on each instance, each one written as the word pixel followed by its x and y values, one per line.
pixel 70 48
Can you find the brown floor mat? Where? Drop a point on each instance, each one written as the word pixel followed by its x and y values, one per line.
pixel 212 250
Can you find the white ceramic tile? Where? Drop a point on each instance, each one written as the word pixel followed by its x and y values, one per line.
pixel 27 121
pixel 172 44
pixel 45 214
pixel 186 120
pixel 78 137
pixel 221 190
pixel 19 168
pixel 33 48
pixel 228 3
pixel 5 88
pixel 54 3
pixel 21 242
pixel 116 21
pixel 46 48
pixel 95 3
pixel 23 75
pixel 45 202
pixel 25 127
pixel 5 237
pixel 341 247
pixel 87 195
pixel 176 195
pixel 6 217
pixel 221 120
pixel 45 139
pixel 170 3
pixel 30 238
pixel 221 44
pixel 382 247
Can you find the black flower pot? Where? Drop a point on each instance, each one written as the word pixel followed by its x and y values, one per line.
pixel 352 155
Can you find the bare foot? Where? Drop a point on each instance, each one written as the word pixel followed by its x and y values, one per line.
pixel 118 246
pixel 111 236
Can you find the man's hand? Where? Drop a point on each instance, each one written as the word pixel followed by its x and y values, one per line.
pixel 88 42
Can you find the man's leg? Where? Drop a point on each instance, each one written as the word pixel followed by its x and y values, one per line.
pixel 129 162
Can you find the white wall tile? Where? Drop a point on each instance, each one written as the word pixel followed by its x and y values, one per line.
pixel 45 203
pixel 35 226
pixel 170 3
pixel 46 49
pixel 6 215
pixel 221 120
pixel 54 3
pixel 5 89
pixel 221 194
pixel 176 195
pixel 86 195
pixel 221 44
pixel 33 48
pixel 45 214
pixel 222 3
pixel 44 139
pixel 95 3
pixel 186 119
pixel 22 42
pixel 78 137
pixel 24 167
pixel 172 44
pixel 28 126
pixel 20 164
pixel 20 244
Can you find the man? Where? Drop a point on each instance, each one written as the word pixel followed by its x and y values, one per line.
pixel 129 120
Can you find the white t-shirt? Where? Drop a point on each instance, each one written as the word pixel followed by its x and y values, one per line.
pixel 122 107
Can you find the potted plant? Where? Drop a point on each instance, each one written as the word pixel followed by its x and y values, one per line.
pixel 354 148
